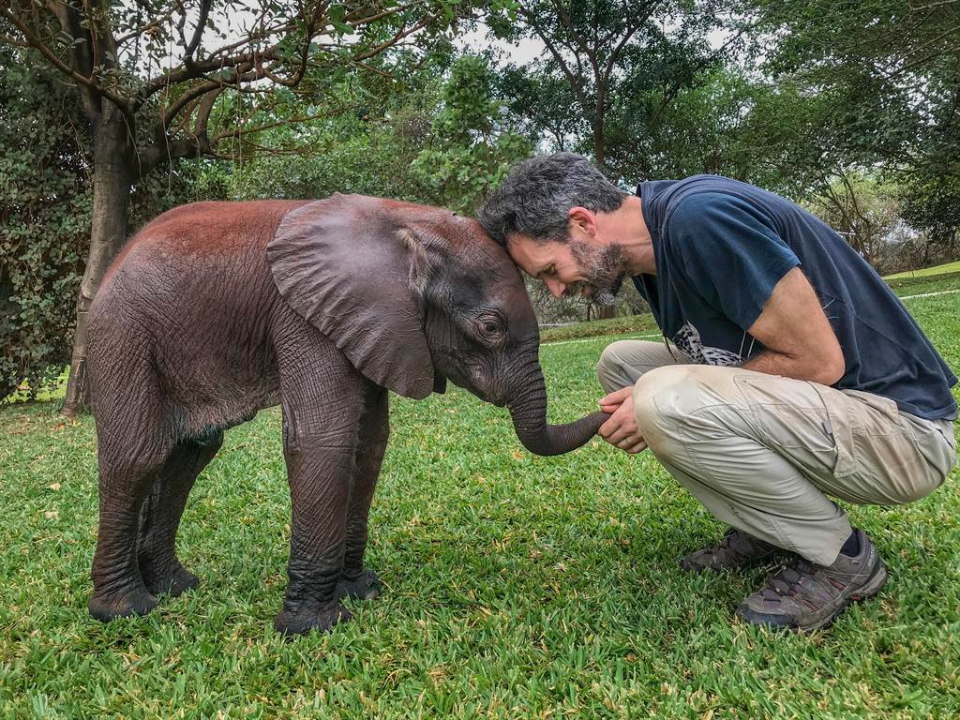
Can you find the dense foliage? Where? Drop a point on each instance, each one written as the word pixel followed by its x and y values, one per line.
pixel 882 78
pixel 440 143
pixel 45 207
pixel 44 223
pixel 609 70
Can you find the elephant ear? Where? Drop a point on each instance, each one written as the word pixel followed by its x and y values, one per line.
pixel 347 266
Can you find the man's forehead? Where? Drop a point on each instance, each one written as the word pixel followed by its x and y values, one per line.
pixel 531 256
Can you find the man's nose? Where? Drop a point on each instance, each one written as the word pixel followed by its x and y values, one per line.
pixel 555 287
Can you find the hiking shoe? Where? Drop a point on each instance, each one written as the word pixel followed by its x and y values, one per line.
pixel 807 597
pixel 734 550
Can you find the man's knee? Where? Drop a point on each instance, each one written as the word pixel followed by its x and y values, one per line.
pixel 666 399
pixel 612 366
pixel 656 397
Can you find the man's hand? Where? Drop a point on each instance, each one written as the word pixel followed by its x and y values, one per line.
pixel 620 429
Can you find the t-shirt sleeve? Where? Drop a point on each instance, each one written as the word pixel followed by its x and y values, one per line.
pixel 727 251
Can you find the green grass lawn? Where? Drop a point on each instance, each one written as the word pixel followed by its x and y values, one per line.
pixel 623 325
pixel 952 267
pixel 516 586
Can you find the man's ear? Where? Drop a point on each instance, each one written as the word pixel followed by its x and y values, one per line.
pixel 583 220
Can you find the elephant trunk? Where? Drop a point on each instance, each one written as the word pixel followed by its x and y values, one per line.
pixel 528 408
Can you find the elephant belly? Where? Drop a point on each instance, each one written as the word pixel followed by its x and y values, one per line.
pixel 201 416
pixel 214 394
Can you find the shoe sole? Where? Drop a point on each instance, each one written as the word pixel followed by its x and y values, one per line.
pixel 693 567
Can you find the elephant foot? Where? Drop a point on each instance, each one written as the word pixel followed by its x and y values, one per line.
pixel 366 586
pixel 107 606
pixel 301 623
pixel 173 582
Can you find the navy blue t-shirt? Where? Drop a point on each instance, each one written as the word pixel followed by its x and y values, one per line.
pixel 721 246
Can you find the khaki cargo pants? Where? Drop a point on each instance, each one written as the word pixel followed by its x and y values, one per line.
pixel 763 452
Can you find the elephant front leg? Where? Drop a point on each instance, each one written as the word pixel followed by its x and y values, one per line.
pixel 319 468
pixel 356 581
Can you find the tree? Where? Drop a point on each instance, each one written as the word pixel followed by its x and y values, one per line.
pixel 442 143
pixel 154 79
pixel 469 151
pixel 892 72
pixel 45 207
pixel 608 52
pixel 865 211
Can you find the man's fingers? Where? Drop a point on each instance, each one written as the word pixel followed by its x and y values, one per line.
pixel 615 428
pixel 638 448
pixel 608 427
pixel 617 397
pixel 623 435
pixel 621 432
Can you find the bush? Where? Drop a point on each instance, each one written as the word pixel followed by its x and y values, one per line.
pixel 45 205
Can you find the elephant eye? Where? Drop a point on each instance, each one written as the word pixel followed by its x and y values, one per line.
pixel 490 326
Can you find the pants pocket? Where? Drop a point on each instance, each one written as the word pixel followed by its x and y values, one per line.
pixel 879 459
pixel 791 419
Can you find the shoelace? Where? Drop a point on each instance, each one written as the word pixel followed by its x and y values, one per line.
pixel 787 581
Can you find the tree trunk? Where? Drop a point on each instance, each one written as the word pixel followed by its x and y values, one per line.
pixel 599 147
pixel 599 127
pixel 112 179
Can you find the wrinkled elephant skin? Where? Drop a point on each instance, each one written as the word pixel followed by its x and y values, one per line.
pixel 217 310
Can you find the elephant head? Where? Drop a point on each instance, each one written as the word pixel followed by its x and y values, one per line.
pixel 414 295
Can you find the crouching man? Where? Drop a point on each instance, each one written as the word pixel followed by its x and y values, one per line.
pixel 789 372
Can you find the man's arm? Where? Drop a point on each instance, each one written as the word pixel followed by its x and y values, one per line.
pixel 800 344
pixel 799 340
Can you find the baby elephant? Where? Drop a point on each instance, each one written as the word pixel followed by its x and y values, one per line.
pixel 216 310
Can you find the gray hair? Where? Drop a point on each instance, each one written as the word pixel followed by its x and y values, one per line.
pixel 537 194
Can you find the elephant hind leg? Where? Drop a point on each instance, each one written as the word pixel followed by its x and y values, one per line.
pixel 160 514
pixel 135 437
pixel 127 474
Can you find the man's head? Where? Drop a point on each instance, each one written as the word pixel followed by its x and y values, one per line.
pixel 546 214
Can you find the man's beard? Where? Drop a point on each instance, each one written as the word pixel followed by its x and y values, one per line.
pixel 602 269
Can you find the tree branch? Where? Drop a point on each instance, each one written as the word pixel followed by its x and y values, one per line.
pixel 137 32
pixel 575 82
pixel 83 81
pixel 198 31
pixel 203 116
pixel 575 36
pixel 239 132
pixel 10 40
pixel 400 35
pixel 378 16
